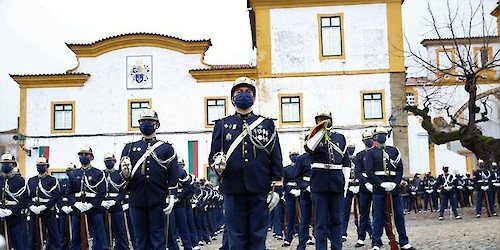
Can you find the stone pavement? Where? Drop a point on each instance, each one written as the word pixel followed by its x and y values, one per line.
pixel 425 231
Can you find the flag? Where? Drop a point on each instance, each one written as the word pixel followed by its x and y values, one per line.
pixel 193 157
pixel 43 151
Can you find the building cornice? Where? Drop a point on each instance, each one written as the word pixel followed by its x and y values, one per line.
pixel 223 74
pixel 51 80
pixel 460 40
pixel 140 40
pixel 276 4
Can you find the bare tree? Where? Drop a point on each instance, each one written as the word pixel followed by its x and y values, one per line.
pixel 465 68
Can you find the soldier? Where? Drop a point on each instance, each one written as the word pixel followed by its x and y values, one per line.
pixel 460 188
pixel 65 209
pixel 13 200
pixel 291 195
pixel 86 190
pixel 184 192
pixel 351 195
pixel 384 169
pixel 303 169
pixel 468 190
pixel 484 188
pixel 447 183
pixel 112 203
pixel 151 170
pixel 496 182
pixel 246 154
pixel 329 170
pixel 430 196
pixel 44 193
pixel 365 191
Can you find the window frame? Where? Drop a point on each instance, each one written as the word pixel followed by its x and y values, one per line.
pixel 382 99
pixel 53 105
pixel 342 37
pixel 476 59
pixel 452 52
pixel 205 108
pixel 301 109
pixel 129 111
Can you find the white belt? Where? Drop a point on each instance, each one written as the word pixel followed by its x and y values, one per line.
pixel 10 203
pixel 179 190
pixel 112 195
pixel 293 184
pixel 327 166
pixel 79 194
pixel 64 199
pixel 34 199
pixel 364 174
pixel 384 173
pixel 306 178
pixel 482 180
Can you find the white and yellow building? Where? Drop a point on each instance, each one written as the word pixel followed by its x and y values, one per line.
pixel 346 56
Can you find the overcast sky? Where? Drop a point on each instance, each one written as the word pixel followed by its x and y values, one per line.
pixel 33 33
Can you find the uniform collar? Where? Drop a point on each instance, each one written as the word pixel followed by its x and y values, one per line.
pixel 41 176
pixel 149 139
pixel 109 171
pixel 86 169
pixel 244 116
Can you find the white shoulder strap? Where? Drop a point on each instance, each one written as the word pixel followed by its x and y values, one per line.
pixel 244 133
pixel 149 150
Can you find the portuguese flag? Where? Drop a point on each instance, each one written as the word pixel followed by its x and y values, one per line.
pixel 43 151
pixel 193 157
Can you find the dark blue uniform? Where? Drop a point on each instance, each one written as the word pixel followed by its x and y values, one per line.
pixel 44 190
pixel 430 194
pixel 484 187
pixel 184 192
pixel 351 195
pixel 63 221
pixel 365 196
pixel 327 187
pixel 15 198
pixel 381 170
pixel 87 185
pixel 253 165
pixel 290 178
pixel 116 193
pixel 148 190
pixel 447 183
pixel 303 172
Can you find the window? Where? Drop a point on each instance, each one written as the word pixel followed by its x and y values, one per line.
pixel 134 110
pixel 62 117
pixel 215 108
pixel 373 106
pixel 483 56
pixel 445 59
pixel 332 44
pixel 291 109
pixel 410 99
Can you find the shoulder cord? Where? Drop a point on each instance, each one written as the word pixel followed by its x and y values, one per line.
pixel 166 162
pixel 45 191
pixel 485 177
pixel 447 180
pixel 336 148
pixel 91 187
pixel 16 194
pixel 461 182
pixel 113 184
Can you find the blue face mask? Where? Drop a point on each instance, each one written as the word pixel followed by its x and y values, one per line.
pixel 109 164
pixel 6 168
pixel 84 160
pixel 350 150
pixel 368 143
pixel 381 138
pixel 294 158
pixel 147 128
pixel 243 100
pixel 41 169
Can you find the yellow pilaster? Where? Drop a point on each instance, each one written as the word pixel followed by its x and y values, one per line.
pixel 263 31
pixel 395 37
pixel 432 159
pixel 21 155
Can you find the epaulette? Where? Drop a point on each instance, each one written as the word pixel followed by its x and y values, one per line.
pixel 268 118
pixel 222 118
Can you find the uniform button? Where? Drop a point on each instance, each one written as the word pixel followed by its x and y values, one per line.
pixel 245 143
pixel 246 160
pixel 147 169
pixel 147 161
pixel 246 151
pixel 147 176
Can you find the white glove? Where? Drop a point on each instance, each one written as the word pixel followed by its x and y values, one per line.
pixel 460 187
pixel 2 213
pixel 484 188
pixel 125 207
pixel 171 199
pixel 470 188
pixel 496 184
pixel 388 186
pixel 104 204
pixel 88 206
pixel 111 203
pixel 42 208
pixel 80 206
pixel 67 209
pixel 429 191
pixel 34 209
pixel 295 192
pixel 273 199
pixel 7 212
pixel 369 186
pixel 448 188
pixel 354 189
pixel 308 189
